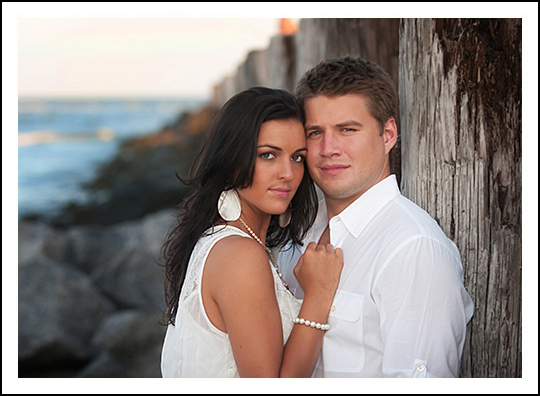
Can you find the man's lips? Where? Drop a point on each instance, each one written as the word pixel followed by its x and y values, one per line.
pixel 333 169
pixel 281 192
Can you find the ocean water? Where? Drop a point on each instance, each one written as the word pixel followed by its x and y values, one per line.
pixel 62 143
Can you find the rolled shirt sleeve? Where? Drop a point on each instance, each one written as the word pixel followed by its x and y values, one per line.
pixel 424 310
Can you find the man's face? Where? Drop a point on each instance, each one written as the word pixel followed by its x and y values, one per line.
pixel 347 154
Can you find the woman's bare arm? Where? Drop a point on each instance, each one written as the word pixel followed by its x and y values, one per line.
pixel 239 298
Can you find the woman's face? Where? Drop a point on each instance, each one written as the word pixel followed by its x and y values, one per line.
pixel 279 167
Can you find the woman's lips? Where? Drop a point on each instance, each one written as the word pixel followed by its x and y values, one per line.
pixel 280 192
pixel 334 169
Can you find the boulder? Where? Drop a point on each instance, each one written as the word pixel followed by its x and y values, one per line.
pixel 59 308
pixel 123 260
pixel 134 339
pixel 134 275
pixel 70 280
pixel 87 247
pixel 36 239
pixel 92 247
pixel 103 366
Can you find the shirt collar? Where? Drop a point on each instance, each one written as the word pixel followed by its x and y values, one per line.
pixel 358 214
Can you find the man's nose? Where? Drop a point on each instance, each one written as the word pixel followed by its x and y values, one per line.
pixel 330 145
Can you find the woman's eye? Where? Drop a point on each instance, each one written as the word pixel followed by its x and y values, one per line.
pixel 267 156
pixel 297 158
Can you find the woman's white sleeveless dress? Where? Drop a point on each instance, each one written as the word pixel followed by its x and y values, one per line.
pixel 194 347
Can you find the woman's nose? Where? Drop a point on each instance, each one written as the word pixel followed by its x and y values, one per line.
pixel 286 170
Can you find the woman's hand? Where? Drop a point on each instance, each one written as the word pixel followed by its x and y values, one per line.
pixel 318 270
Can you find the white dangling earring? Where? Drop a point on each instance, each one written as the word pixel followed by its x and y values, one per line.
pixel 229 207
pixel 285 218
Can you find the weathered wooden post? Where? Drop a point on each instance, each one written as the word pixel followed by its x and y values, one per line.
pixel 460 105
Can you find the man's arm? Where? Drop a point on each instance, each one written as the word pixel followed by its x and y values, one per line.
pixel 424 310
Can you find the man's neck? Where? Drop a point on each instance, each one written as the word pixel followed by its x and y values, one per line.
pixel 325 237
pixel 336 206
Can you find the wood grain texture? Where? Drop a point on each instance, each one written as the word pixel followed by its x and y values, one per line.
pixel 460 99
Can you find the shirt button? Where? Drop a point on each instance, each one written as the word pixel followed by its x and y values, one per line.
pixel 333 308
pixel 420 367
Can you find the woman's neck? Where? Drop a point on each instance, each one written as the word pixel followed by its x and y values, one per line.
pixel 258 222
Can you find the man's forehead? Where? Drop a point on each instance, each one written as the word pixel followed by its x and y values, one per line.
pixel 337 110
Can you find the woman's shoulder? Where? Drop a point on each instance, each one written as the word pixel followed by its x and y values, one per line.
pixel 238 269
pixel 237 256
pixel 237 248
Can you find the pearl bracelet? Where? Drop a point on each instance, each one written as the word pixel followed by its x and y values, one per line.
pixel 315 325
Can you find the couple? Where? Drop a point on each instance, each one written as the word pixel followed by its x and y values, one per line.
pixel 367 285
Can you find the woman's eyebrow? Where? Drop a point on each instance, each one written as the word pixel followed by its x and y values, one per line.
pixel 279 148
pixel 270 146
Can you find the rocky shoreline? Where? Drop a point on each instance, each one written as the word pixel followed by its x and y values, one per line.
pixel 90 281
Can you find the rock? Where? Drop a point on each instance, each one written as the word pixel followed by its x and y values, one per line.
pixel 194 124
pixel 92 247
pixel 134 276
pixel 133 279
pixel 69 280
pixel 154 228
pixel 87 247
pixel 59 309
pixel 131 187
pixel 37 239
pixel 134 338
pixel 104 366
pixel 123 260
pixel 147 364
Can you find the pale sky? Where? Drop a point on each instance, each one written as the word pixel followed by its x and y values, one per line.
pixel 153 49
pixel 134 56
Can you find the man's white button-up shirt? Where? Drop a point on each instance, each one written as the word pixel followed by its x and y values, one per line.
pixel 401 309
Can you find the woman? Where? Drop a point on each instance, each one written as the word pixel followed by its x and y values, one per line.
pixel 229 312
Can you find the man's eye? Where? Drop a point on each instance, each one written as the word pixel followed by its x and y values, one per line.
pixel 314 133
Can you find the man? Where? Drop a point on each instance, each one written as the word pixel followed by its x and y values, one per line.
pixel 401 309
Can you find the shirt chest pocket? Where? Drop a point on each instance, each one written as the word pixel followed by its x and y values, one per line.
pixel 343 348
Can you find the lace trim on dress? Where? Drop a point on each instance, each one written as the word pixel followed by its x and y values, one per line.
pixel 194 270
pixel 192 281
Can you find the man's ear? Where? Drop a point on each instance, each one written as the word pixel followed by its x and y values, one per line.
pixel 390 134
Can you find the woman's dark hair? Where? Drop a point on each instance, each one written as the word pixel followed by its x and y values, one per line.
pixel 226 161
